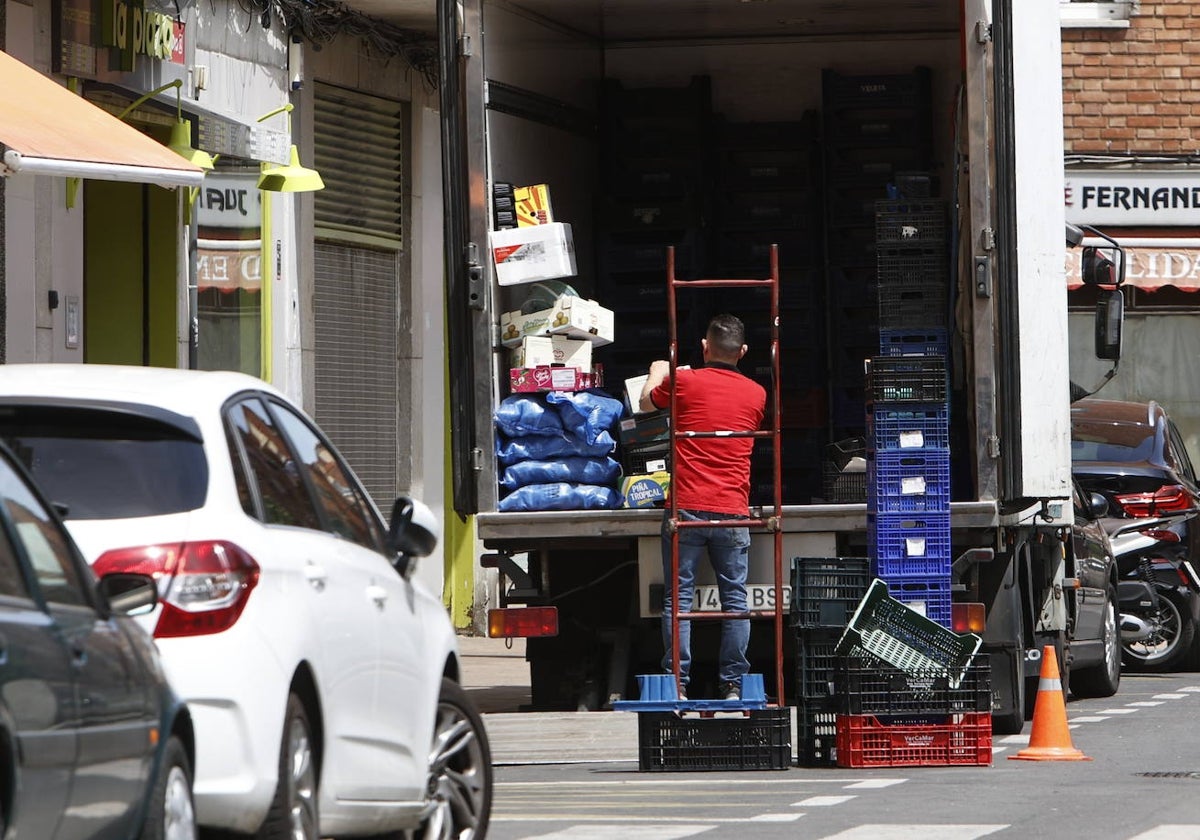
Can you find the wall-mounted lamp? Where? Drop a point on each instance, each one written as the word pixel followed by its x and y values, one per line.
pixel 181 132
pixel 291 177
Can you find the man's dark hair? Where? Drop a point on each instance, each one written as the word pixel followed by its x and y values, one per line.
pixel 726 334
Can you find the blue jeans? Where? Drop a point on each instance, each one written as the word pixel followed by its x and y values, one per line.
pixel 728 552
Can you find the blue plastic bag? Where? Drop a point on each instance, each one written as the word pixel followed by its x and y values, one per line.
pixel 527 414
pixel 560 496
pixel 574 470
pixel 588 414
pixel 545 448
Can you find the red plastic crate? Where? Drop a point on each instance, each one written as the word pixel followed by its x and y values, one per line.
pixel 868 741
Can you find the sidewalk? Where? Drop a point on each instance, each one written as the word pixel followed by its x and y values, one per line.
pixel 496 677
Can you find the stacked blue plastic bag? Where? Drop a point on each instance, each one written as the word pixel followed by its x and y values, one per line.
pixel 555 451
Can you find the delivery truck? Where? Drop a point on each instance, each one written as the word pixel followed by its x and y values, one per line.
pixel 720 129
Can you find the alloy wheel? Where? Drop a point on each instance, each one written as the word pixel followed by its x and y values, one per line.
pixel 302 782
pixel 179 817
pixel 457 786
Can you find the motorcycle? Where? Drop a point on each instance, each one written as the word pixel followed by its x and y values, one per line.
pixel 1158 591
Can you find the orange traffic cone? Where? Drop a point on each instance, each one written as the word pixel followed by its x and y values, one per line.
pixel 1050 739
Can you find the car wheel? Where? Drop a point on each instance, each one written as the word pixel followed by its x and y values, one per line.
pixel 171 814
pixel 1164 650
pixel 293 814
pixel 1104 679
pixel 459 789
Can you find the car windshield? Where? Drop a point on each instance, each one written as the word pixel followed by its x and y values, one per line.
pixel 107 464
pixel 1111 442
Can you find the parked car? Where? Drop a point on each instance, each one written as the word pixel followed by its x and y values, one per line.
pixel 321 676
pixel 1131 453
pixel 1095 663
pixel 93 741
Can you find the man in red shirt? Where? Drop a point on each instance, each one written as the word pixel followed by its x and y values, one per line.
pixel 710 482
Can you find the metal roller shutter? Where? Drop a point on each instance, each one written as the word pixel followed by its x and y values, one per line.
pixel 360 282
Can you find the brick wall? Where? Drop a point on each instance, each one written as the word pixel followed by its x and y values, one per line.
pixel 1135 90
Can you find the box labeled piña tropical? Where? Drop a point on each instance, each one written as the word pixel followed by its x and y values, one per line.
pixel 646 491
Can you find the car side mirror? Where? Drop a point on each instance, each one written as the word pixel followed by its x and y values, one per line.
pixel 129 594
pixel 1097 505
pixel 412 532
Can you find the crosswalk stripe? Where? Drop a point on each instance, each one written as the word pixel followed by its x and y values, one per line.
pixel 1014 739
pixel 776 818
pixel 1117 711
pixel 1089 718
pixel 1169 696
pixel 817 801
pixel 1191 688
pixel 1141 703
pixel 1170 832
pixel 624 830
pixel 875 783
pixel 918 832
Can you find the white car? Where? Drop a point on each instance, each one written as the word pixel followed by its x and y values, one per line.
pixel 321 677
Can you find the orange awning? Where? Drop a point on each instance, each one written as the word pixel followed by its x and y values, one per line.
pixel 47 130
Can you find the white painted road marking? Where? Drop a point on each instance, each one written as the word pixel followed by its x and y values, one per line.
pixel 776 818
pixel 1117 711
pixel 1194 689
pixel 1145 703
pixel 816 801
pixel 875 783
pixel 1169 696
pixel 1089 719
pixel 1170 832
pixel 1014 739
pixel 919 832
pixel 624 830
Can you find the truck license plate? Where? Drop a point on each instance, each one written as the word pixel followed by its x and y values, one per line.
pixel 759 596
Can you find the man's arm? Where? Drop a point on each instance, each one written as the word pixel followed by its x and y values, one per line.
pixel 659 371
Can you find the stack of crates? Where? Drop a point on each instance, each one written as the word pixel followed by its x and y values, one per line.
pixel 766 189
pixel 908 465
pixel 656 165
pixel 876 128
pixel 825 593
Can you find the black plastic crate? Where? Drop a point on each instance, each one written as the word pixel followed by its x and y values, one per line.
pixel 910 307
pixel 916 266
pixel 843 487
pixel 766 135
pixel 882 130
pixel 869 686
pixel 636 459
pixel 792 168
pixel 816 662
pixel 827 590
pixel 758 740
pixel 911 222
pixel 816 735
pixel 907 379
pixel 896 90
pixel 669 103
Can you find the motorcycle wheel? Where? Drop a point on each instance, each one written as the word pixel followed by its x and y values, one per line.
pixel 1163 650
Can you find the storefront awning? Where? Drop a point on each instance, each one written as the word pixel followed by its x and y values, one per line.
pixel 1151 263
pixel 45 129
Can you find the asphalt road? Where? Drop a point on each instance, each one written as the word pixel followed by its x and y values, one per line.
pixel 575 777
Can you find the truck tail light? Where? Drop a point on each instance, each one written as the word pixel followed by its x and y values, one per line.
pixel 518 622
pixel 203 586
pixel 968 617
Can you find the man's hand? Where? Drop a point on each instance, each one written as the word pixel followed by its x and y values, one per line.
pixel 659 371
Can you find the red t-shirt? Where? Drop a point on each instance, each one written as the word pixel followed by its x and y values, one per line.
pixel 713 474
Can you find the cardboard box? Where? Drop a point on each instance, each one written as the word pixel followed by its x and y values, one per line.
pixel 552 350
pixel 533 205
pixel 545 378
pixel 646 491
pixel 529 254
pixel 646 428
pixel 570 317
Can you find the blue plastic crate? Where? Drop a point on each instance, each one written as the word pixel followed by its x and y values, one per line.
pixel 909 544
pixel 930 596
pixel 909 481
pixel 913 342
pixel 906 429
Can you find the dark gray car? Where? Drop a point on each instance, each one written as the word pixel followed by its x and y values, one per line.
pixel 93 742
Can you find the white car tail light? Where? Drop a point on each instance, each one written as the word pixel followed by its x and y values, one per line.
pixel 203 586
